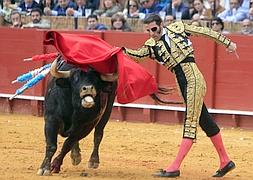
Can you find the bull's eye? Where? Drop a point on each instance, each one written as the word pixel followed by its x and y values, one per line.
pixel 76 78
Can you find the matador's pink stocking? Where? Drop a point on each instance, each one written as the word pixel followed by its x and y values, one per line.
pixel 185 147
pixel 219 146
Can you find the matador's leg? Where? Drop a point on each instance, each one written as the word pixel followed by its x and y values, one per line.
pixel 192 86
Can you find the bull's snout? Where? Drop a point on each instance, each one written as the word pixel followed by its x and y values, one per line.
pixel 87 88
pixel 87 94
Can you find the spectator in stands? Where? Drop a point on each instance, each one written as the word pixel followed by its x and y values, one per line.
pixel 196 17
pixel 214 10
pixel 119 23
pixel 131 9
pixel 250 12
pixel 108 8
pixel 150 6
pixel 234 13
pixel 93 4
pixel 191 6
pixel 93 24
pixel 171 47
pixel 165 2
pixel 244 5
pixel 60 9
pixel 196 20
pixel 122 2
pixel 27 5
pixel 246 27
pixel 178 9
pixel 37 21
pixel 225 4
pixel 169 19
pixel 81 9
pixel 218 25
pixel 199 8
pixel 47 5
pixel 16 20
pixel 6 9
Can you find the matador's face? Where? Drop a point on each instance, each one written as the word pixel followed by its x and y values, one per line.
pixel 154 30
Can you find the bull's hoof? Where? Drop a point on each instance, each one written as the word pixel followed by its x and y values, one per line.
pixel 44 172
pixel 93 165
pixel 75 158
pixel 55 168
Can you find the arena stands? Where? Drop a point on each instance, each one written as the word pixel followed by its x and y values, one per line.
pixel 73 13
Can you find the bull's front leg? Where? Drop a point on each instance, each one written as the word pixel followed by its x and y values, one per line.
pixel 99 129
pixel 94 158
pixel 98 136
pixel 76 133
pixel 67 146
pixel 75 154
pixel 51 131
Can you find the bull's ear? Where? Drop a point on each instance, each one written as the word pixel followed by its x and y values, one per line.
pixel 62 82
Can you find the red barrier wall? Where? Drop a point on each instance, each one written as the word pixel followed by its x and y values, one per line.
pixel 234 82
pixel 229 81
pixel 16 45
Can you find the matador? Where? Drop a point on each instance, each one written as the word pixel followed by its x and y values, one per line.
pixel 171 47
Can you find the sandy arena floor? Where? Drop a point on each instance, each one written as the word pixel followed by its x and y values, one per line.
pixel 128 151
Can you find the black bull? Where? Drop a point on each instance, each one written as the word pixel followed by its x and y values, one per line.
pixel 74 105
pixel 76 102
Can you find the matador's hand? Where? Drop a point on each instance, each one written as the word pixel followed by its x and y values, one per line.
pixel 232 47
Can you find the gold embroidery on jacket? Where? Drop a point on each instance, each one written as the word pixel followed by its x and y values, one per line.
pixel 150 42
pixel 139 54
pixel 179 45
pixel 205 31
pixel 177 27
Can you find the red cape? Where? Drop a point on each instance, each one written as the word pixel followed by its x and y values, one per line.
pixel 82 50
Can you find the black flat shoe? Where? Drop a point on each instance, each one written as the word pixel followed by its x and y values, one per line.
pixel 221 172
pixel 166 174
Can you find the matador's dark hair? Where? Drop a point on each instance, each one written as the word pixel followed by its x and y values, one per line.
pixel 153 18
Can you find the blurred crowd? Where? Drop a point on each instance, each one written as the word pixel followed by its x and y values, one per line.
pixel 217 12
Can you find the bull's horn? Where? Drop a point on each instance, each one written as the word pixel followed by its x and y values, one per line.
pixel 58 74
pixel 110 77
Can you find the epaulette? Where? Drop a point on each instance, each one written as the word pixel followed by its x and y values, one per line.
pixel 177 27
pixel 150 42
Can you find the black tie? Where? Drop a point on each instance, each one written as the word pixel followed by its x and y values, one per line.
pixel 165 43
